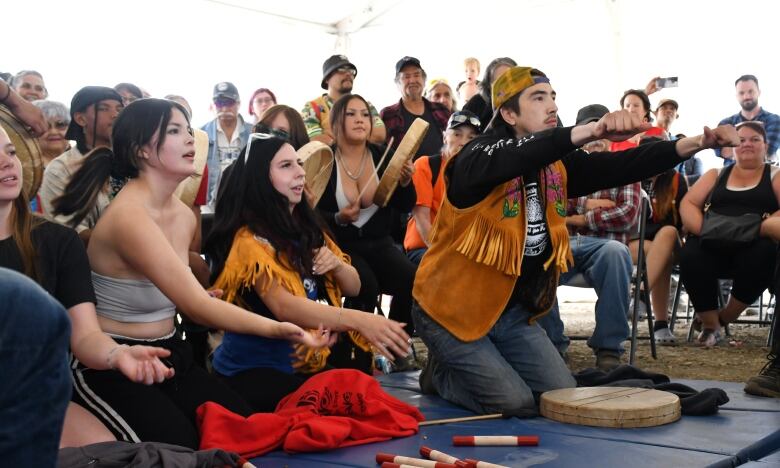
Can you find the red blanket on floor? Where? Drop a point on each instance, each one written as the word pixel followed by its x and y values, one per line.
pixel 337 408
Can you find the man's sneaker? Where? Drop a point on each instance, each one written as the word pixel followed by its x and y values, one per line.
pixel 767 382
pixel 607 359
pixel 665 337
pixel 426 377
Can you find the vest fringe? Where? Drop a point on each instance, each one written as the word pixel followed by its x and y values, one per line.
pixel 487 243
pixel 251 259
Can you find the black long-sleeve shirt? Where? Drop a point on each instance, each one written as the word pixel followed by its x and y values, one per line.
pixel 496 158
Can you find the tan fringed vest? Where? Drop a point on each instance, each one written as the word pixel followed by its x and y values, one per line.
pixel 466 278
pixel 252 261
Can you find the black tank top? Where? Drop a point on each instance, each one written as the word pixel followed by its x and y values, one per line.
pixel 759 199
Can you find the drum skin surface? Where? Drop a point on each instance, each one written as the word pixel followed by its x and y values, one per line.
pixel 610 406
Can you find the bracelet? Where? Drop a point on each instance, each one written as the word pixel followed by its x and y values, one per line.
pixel 111 353
pixel 7 94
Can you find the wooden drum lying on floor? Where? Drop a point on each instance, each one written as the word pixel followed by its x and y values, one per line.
pixel 611 406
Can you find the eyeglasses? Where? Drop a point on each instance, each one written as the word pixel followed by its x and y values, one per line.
pixel 277 132
pixel 58 124
pixel 224 102
pixel 459 118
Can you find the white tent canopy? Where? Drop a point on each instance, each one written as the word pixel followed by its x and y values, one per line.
pixel 592 49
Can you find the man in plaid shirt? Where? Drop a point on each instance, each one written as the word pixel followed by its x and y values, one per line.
pixel 599 226
pixel 747 96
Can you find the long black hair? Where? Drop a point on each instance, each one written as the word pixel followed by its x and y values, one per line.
pixel 135 127
pixel 251 200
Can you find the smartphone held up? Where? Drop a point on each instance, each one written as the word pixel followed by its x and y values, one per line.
pixel 668 82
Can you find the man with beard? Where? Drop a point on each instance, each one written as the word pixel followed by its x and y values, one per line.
pixel 747 96
pixel 410 79
pixel 338 77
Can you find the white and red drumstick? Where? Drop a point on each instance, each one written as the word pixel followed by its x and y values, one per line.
pixel 402 465
pixel 428 452
pixel 471 463
pixel 388 458
pixel 471 441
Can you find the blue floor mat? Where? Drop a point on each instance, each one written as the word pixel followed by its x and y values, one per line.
pixel 721 440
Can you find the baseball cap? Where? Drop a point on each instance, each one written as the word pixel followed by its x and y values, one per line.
pixel 84 98
pixel 667 101
pixel 463 117
pixel 591 113
pixel 226 89
pixel 513 81
pixel 407 60
pixel 333 63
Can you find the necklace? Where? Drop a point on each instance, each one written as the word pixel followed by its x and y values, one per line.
pixel 362 164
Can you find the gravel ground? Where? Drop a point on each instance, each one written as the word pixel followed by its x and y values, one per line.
pixel 734 362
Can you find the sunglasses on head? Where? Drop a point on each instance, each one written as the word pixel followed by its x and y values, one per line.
pixel 463 118
pixel 279 133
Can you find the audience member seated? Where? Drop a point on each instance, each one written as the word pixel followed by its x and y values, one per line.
pixel 228 134
pixel 439 90
pixel 470 86
pixel 362 228
pixel 410 80
pixel 138 254
pixel 272 255
pixel 481 103
pixel 285 122
pixel 53 143
pixel 662 242
pixel 261 100
pixel 129 92
pixel 748 186
pixel 691 169
pixel 338 77
pixel 428 180
pixel 29 84
pixel 636 102
pixel 93 110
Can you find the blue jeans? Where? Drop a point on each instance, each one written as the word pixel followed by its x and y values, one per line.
pixel 35 385
pixel 416 255
pixel 606 265
pixel 499 372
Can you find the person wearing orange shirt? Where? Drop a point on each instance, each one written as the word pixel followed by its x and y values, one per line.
pixel 462 127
